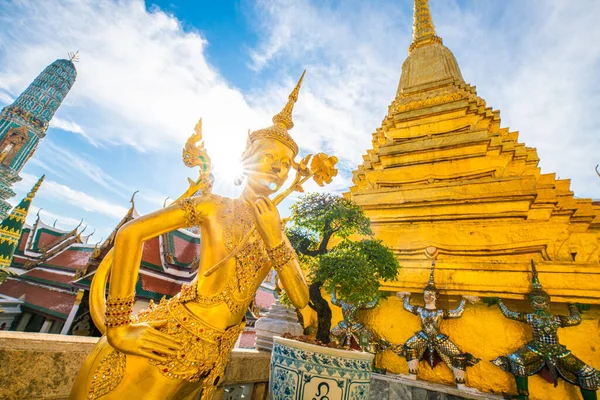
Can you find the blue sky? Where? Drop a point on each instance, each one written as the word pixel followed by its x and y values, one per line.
pixel 148 71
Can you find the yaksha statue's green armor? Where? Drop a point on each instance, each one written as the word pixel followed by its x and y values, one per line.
pixel 350 333
pixel 544 355
pixel 429 343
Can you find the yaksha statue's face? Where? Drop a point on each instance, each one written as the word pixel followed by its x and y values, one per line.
pixel 267 166
pixel 430 296
pixel 539 302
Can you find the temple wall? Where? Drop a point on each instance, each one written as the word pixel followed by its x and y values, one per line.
pixel 484 332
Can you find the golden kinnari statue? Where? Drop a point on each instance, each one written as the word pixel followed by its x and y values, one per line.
pixel 178 349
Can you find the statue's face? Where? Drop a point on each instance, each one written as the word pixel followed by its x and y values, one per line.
pixel 539 302
pixel 268 166
pixel 430 296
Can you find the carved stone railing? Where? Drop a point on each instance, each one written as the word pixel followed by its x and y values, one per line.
pixel 43 366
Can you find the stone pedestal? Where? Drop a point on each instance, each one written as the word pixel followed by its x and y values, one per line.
pixel 393 387
pixel 276 322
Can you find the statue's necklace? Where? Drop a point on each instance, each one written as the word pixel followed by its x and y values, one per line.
pixel 237 214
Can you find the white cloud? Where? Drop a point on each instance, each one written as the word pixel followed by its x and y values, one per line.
pixel 70 126
pixel 65 125
pixel 52 190
pixel 142 80
pixel 69 162
pixel 62 222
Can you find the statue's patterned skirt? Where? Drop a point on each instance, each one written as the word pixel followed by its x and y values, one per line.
pixel 203 357
pixel 533 357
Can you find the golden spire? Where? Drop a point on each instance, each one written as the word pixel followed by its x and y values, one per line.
pixel 423 29
pixel 74 57
pixel 284 118
pixel 282 122
pixel 35 188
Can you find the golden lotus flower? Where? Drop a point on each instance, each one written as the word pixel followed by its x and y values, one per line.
pixel 323 168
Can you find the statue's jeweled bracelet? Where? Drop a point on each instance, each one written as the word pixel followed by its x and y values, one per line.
pixel 192 216
pixel 280 255
pixel 118 310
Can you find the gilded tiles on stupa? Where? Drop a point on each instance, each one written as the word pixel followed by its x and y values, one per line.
pixel 442 173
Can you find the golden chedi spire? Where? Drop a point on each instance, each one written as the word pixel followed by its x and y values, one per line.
pixel 429 63
pixel 423 29
pixel 282 122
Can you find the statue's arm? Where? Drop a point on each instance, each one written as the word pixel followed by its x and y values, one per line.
pixel 292 279
pixel 457 312
pixel 130 238
pixel 517 316
pixel 409 307
pixel 370 305
pixel 143 339
pixel 573 319
pixel 334 299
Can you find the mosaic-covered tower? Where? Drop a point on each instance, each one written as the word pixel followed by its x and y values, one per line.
pixel 24 123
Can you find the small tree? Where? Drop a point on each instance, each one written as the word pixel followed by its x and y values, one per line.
pixel 351 269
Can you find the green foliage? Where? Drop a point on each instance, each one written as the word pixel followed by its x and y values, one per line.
pixel 319 216
pixel 285 300
pixel 351 269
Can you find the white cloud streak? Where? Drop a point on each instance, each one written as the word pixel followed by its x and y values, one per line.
pixel 69 162
pixel 75 198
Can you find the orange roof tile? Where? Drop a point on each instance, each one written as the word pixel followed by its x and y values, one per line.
pixel 264 299
pixel 158 285
pixel 47 299
pixel 49 276
pixel 248 340
pixel 185 252
pixel 23 240
pixel 74 258
pixel 151 252
pixel 45 239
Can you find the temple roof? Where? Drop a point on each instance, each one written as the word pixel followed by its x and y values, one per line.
pixel 56 303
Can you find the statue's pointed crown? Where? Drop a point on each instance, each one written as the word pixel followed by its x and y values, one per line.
pixel 535 281
pixel 431 284
pixel 282 122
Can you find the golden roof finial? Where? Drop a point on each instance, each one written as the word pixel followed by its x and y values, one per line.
pixel 74 57
pixel 35 188
pixel 284 118
pixel 423 29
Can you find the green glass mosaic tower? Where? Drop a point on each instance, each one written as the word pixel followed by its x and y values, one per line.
pixel 25 122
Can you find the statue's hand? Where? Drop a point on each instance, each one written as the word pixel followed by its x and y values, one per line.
pixel 402 295
pixel 471 299
pixel 268 222
pixel 143 340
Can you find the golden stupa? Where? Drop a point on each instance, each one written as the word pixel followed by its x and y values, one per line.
pixel 443 174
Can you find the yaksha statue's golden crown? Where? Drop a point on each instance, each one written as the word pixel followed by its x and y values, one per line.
pixel 282 122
